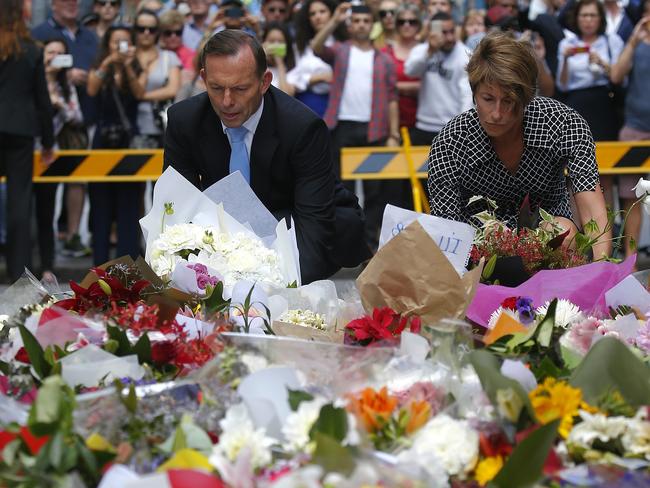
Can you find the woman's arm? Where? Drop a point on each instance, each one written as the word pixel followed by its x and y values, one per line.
pixel 168 91
pixel 97 76
pixel 623 66
pixel 284 85
pixel 408 87
pixel 591 206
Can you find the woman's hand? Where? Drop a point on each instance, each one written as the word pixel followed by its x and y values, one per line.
pixel 641 32
pixel 47 156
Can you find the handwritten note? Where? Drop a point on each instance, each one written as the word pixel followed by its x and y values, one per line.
pixel 453 238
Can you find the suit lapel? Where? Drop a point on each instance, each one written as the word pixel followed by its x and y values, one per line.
pixel 214 147
pixel 265 143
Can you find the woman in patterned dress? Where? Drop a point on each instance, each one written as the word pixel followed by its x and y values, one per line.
pixel 514 144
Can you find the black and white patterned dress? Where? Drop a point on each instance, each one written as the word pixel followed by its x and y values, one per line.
pixel 462 164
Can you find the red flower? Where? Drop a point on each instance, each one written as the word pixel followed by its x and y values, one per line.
pixel 384 325
pixel 163 352
pixel 22 356
pixel 510 303
pixel 34 443
pixel 192 353
pixel 494 444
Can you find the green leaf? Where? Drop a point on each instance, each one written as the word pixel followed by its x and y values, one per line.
pixel 34 352
pixel 88 459
pixel 489 267
pixel 293 284
pixel 525 464
pixel 488 369
pixel 10 450
pixel 331 455
pixel 124 346
pixel 179 441
pixel 131 400
pixel 56 450
pixel 296 397
pixel 611 366
pixel 143 349
pixel 544 331
pixel 215 302
pixel 548 368
pixel 4 368
pixel 47 411
pixel 332 422
pixel 583 243
pixel 70 458
pixel 571 359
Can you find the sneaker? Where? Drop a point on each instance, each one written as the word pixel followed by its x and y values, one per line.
pixel 73 247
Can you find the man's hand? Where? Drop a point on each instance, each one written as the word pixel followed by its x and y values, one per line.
pixel 47 156
pixel 435 41
pixel 78 76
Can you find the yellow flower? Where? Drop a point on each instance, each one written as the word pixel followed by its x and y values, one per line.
pixel 487 469
pixel 557 400
pixel 98 443
pixel 186 459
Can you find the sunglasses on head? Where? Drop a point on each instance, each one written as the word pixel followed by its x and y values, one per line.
pixel 112 3
pixel 401 22
pixel 386 13
pixel 169 33
pixel 141 29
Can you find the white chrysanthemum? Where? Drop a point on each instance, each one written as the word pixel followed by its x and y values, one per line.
pixel 566 313
pixel 239 433
pixel 636 440
pixel 596 427
pixel 453 443
pixel 497 313
pixel 304 318
pixel 298 424
pixel 178 237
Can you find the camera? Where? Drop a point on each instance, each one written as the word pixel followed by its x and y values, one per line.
pixel 62 61
pixel 235 13
pixel 123 47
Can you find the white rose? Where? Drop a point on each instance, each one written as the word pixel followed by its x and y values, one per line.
pixel 238 434
pixel 596 426
pixel 451 442
pixel 298 424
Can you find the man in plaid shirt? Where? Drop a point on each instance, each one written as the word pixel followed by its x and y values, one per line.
pixel 362 109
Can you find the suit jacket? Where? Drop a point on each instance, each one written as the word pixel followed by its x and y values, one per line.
pixel 291 172
pixel 25 107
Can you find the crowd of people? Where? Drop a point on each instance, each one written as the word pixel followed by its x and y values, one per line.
pixel 113 67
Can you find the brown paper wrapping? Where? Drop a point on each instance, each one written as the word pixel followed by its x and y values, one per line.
pixel 287 329
pixel 413 277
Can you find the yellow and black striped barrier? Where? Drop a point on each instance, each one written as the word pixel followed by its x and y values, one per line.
pixel 377 163
pixel 357 163
pixel 100 165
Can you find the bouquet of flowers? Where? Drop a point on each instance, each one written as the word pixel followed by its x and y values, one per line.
pixel 195 230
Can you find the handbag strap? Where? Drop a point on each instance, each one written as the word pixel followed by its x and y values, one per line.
pixel 120 109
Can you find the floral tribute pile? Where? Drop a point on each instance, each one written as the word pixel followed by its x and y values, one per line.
pixel 172 376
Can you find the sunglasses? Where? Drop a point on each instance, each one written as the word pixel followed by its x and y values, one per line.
pixel 112 3
pixel 141 29
pixel 402 22
pixel 277 10
pixel 386 13
pixel 169 33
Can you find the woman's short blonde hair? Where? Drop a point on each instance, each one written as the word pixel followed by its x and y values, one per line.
pixel 501 60
pixel 171 18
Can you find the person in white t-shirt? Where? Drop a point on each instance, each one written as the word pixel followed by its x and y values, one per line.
pixel 444 88
pixel 363 104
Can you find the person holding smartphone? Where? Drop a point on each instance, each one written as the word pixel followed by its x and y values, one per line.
pixel 278 46
pixel 117 83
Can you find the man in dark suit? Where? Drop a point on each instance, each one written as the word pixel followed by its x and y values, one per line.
pixel 280 146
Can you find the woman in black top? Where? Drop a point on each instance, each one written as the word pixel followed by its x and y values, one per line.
pixel 514 144
pixel 25 111
pixel 118 83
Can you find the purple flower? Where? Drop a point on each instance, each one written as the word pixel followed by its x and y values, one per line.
pixel 525 308
pixel 202 280
pixel 199 268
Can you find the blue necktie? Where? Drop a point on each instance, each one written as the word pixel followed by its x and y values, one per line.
pixel 238 152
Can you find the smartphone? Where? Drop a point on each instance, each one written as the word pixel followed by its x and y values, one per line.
pixel 581 49
pixel 62 61
pixel 436 27
pixel 278 49
pixel 235 13
pixel 123 47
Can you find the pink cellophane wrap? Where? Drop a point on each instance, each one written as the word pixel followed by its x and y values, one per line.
pixel 585 286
